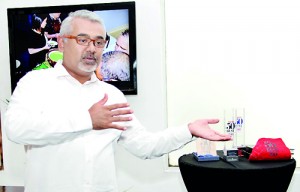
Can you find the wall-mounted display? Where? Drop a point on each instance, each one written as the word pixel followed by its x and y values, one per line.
pixel 33 33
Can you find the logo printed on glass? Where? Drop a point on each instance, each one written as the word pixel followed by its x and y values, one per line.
pixel 239 123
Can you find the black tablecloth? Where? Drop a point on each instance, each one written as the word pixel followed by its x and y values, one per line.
pixel 242 175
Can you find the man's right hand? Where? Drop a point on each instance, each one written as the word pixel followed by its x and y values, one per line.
pixel 105 116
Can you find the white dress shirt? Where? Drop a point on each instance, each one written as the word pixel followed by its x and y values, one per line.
pixel 48 114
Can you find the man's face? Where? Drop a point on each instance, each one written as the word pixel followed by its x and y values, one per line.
pixel 79 60
pixel 122 44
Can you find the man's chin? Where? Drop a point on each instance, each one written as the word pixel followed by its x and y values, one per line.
pixel 88 67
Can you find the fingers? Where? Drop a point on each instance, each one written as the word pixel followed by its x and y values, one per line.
pixel 119 116
pixel 121 119
pixel 212 121
pixel 121 112
pixel 112 123
pixel 217 137
pixel 110 116
pixel 223 137
pixel 117 106
pixel 116 126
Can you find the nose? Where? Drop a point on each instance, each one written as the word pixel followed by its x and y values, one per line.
pixel 91 47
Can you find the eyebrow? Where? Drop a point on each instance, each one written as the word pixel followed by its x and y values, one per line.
pixel 97 37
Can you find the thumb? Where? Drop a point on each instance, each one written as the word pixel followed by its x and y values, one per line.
pixel 212 121
pixel 104 99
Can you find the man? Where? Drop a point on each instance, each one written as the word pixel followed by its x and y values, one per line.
pixel 52 28
pixel 122 43
pixel 117 71
pixel 69 120
pixel 114 67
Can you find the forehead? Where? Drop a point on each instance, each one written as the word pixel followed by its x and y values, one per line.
pixel 55 14
pixel 84 26
pixel 122 38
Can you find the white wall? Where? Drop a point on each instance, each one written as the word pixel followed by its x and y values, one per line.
pixel 233 53
pixel 150 104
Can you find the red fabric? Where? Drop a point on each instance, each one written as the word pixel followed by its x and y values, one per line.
pixel 270 149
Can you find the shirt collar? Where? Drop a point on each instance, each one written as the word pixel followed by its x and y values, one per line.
pixel 62 72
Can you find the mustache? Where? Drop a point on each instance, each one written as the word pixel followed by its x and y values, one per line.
pixel 89 55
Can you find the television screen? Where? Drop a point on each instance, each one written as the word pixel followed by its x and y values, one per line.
pixel 31 29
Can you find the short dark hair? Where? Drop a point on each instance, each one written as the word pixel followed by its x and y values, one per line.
pixel 36 22
pixel 125 32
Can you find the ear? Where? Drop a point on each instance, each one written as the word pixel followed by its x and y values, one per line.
pixel 60 42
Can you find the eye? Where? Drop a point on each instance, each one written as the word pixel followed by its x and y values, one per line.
pixel 99 42
pixel 82 40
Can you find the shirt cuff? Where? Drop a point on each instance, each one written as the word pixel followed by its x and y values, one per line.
pixel 184 134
